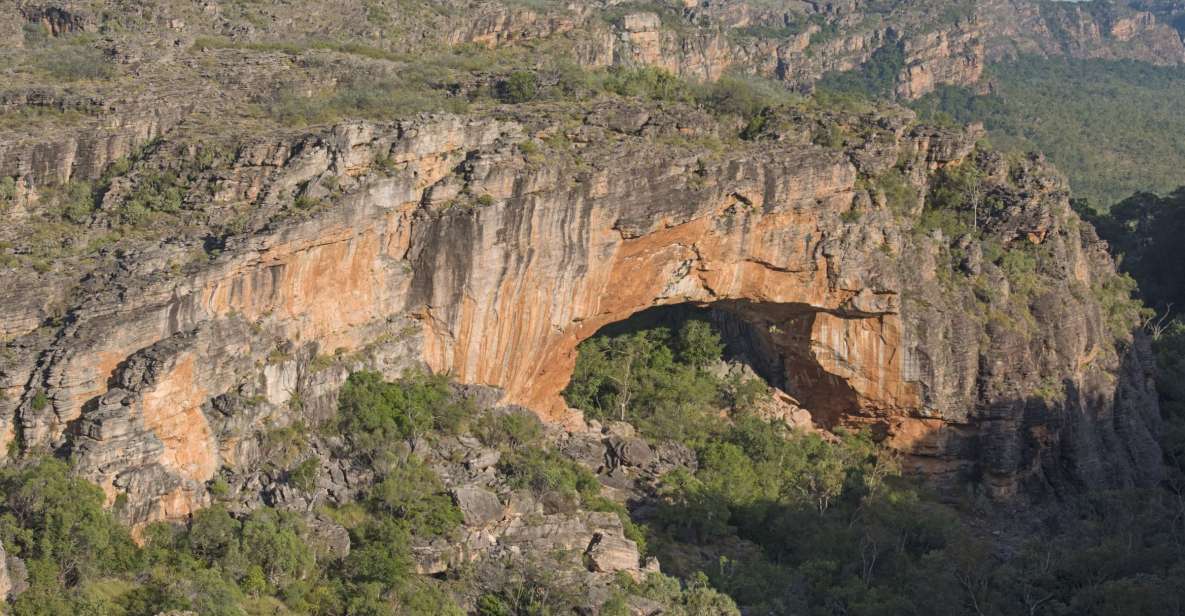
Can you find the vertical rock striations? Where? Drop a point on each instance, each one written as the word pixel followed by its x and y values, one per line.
pixel 454 243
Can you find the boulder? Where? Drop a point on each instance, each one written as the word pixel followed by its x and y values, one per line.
pixel 478 506
pixel 641 606
pixel 586 448
pixel 556 501
pixel 331 539
pixel 629 451
pixel 611 553
pixel 482 459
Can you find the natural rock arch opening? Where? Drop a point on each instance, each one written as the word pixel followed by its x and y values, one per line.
pixel 786 345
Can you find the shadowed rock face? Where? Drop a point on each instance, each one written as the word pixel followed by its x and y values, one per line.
pixel 445 245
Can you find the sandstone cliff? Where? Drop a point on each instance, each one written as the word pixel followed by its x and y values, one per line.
pixel 942 43
pixel 489 246
pixel 1099 30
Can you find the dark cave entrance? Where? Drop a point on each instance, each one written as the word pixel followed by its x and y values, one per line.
pixel 773 340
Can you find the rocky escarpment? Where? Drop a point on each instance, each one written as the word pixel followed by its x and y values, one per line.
pixel 1101 30
pixel 489 246
pixel 930 43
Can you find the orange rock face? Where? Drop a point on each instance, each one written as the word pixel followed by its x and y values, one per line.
pixel 160 381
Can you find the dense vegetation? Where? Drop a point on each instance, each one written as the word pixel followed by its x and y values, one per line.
pixel 876 79
pixel 659 380
pixel 1111 126
pixel 81 560
pixel 788 522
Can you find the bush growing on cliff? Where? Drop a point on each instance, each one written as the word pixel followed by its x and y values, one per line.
pixel 541 471
pixel 155 194
pixel 649 82
pixel 413 494
pixel 376 413
pixel 512 430
pixel 519 87
pixel 76 62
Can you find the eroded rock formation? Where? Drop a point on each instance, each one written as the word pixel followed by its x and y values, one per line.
pixel 480 247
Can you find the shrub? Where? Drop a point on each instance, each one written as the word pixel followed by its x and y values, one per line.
pixel 900 195
pixel 519 87
pixel 649 82
pixel 373 97
pixel 413 494
pixel 76 202
pixel 273 540
pixel 375 413
pixel 284 446
pixel 1121 308
pixel 1020 267
pixel 304 476
pixel 698 344
pixel 155 193
pixel 509 430
pixel 77 63
pixel 7 191
pixel 379 553
pixel 747 97
pixel 213 535
pixel 542 470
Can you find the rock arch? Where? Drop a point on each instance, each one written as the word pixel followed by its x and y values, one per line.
pixel 765 243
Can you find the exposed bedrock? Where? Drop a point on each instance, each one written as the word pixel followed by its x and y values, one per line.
pixel 448 246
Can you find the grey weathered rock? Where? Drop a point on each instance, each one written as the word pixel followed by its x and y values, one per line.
pixel 586 448
pixel 629 451
pixel 641 606
pixel 331 539
pixel 5 579
pixel 610 554
pixel 18 576
pixel 479 506
pixel 482 459
pixel 559 502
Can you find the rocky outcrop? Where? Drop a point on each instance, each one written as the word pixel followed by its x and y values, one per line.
pixel 954 57
pixel 479 506
pixel 610 554
pixel 448 243
pixel 1107 31
pixel 14 578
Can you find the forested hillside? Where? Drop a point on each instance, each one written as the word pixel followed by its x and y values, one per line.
pixel 1114 127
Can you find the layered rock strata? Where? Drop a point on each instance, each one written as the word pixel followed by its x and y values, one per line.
pixel 489 248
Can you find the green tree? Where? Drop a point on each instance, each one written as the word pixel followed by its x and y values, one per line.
pixel 274 541
pixel 519 87
pixel 375 413
pixel 413 493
